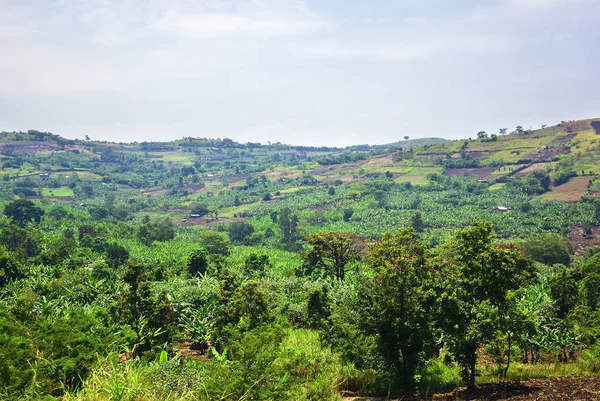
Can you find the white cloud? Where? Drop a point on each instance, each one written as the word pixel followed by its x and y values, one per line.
pixel 411 49
pixel 211 25
pixel 536 4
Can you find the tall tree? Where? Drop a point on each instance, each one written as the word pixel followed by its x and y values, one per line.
pixel 395 302
pixel 288 223
pixel 477 278
pixel 333 251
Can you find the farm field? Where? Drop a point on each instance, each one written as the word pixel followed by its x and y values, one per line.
pixel 571 191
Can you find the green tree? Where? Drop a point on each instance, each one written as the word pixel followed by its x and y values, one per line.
pixel 198 262
pixel 9 268
pixel 215 242
pixel 332 251
pixel 239 230
pixel 23 211
pixel 564 292
pixel 395 303
pixel 116 255
pixel 151 318
pixel 549 249
pixel 23 243
pixel 477 279
pixel 288 223
pixel 416 222
pixel 256 264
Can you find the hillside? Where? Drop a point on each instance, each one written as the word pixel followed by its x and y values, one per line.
pixel 204 269
pixel 238 181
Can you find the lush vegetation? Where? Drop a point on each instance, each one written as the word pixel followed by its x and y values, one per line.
pixel 207 269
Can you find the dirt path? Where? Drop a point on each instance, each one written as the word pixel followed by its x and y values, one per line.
pixel 574 388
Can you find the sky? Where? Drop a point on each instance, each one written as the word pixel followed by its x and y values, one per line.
pixel 305 72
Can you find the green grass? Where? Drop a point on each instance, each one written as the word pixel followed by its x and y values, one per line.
pixel 62 191
pixel 519 371
pixel 229 212
pixel 497 186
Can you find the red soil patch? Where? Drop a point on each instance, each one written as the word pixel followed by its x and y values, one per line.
pixel 344 178
pixel 564 138
pixel 52 198
pixel 273 175
pixel 479 154
pixel 573 388
pixel 534 167
pixel 580 241
pixel 545 153
pixel 479 172
pixel 577 126
pixel 189 350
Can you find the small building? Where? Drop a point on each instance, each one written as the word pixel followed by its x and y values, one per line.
pixel 501 209
pixel 195 216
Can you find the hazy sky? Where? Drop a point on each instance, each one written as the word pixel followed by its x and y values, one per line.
pixel 323 72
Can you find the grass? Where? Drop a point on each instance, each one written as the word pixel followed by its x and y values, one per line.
pixel 497 187
pixel 84 175
pixel 520 371
pixel 62 191
pixel 236 210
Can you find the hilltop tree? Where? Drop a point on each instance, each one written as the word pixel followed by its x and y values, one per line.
pixel 23 211
pixel 503 131
pixel 406 138
pixel 519 129
pixel 482 134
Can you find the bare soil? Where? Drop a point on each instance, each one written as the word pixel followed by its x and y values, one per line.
pixel 581 242
pixel 574 388
pixel 534 167
pixel 52 198
pixel 577 126
pixel 564 138
pixel 571 191
pixel 479 172
pixel 545 153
